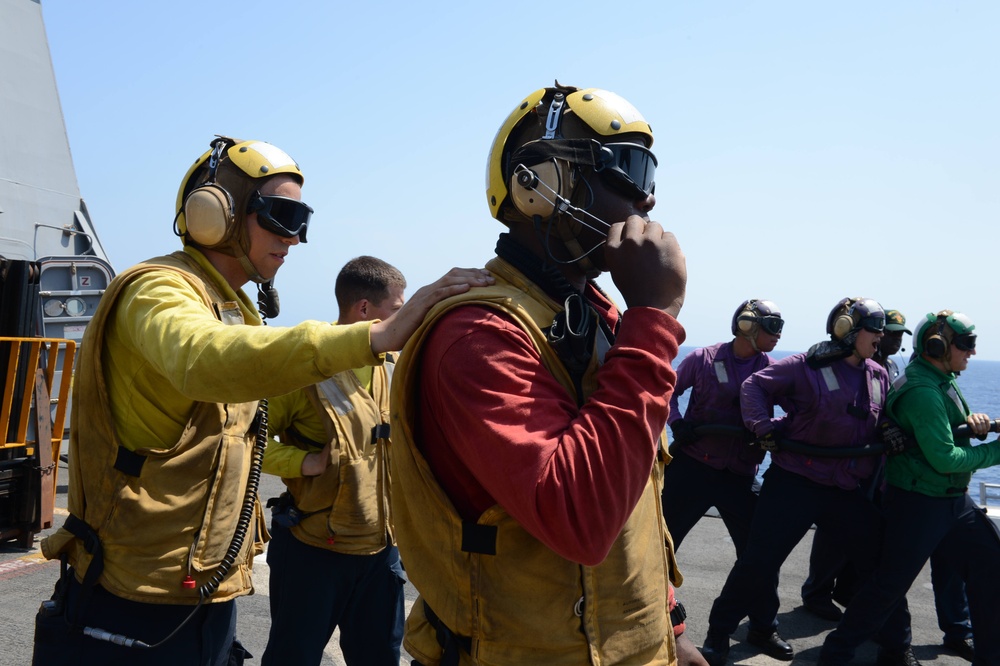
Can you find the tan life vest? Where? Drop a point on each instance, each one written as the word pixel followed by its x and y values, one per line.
pixel 349 501
pixel 151 547
pixel 509 598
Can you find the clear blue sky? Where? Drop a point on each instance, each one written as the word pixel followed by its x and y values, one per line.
pixel 808 151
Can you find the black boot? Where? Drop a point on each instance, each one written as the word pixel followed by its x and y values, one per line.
pixel 895 658
pixel 716 648
pixel 771 644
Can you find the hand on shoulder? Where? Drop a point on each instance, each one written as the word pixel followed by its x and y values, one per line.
pixel 391 334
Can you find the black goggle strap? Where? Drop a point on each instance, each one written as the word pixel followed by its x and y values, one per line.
pixel 581 152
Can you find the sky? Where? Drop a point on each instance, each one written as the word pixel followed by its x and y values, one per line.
pixel 807 151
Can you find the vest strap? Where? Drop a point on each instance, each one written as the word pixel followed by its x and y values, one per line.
pixel 380 431
pixel 480 539
pixel 92 544
pixel 128 462
pixel 449 641
pixel 857 412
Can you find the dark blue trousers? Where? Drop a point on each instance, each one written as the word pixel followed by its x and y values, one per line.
pixel 690 488
pixel 916 525
pixel 831 575
pixel 314 591
pixel 207 639
pixel 950 600
pixel 788 506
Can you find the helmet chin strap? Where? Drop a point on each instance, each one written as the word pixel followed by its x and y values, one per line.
pixel 250 269
pixel 947 358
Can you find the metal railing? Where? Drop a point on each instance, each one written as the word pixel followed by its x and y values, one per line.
pixel 29 360
pixel 36 375
pixel 985 493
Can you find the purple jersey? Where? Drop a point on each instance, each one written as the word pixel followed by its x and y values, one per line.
pixel 838 405
pixel 714 375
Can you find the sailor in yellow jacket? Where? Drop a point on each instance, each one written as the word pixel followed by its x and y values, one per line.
pixel 332 555
pixel 166 431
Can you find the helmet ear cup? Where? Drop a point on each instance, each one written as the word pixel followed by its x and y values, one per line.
pixel 531 195
pixel 842 325
pixel 740 324
pixel 208 214
pixel 745 322
pixel 935 345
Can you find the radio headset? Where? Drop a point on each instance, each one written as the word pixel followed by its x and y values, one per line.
pixel 746 320
pixel 544 205
pixel 209 211
pixel 842 321
pixel 936 344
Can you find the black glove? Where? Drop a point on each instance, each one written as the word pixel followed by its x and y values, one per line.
pixel 683 432
pixel 894 438
pixel 768 441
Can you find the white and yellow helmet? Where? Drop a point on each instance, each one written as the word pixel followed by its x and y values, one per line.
pixel 216 191
pixel 554 115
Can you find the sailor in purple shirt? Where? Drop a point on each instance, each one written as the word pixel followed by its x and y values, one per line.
pixel 719 469
pixel 830 575
pixel 835 397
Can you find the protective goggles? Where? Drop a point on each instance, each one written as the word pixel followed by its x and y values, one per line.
pixel 874 323
pixel 965 342
pixel 771 323
pixel 629 168
pixel 280 215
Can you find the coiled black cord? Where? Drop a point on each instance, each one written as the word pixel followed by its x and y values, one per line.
pixel 235 545
pixel 246 511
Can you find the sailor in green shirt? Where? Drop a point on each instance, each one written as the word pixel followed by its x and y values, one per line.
pixel 927 503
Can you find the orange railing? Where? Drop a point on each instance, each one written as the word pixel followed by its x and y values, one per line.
pixel 31 374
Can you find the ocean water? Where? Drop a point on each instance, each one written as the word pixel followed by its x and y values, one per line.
pixel 980 384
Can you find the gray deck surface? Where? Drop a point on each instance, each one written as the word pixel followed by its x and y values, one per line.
pixel 706 557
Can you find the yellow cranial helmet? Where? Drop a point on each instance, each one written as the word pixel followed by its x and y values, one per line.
pixel 216 191
pixel 551 116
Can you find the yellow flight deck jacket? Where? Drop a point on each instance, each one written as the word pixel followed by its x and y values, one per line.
pixel 346 508
pixel 523 603
pixel 169 374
